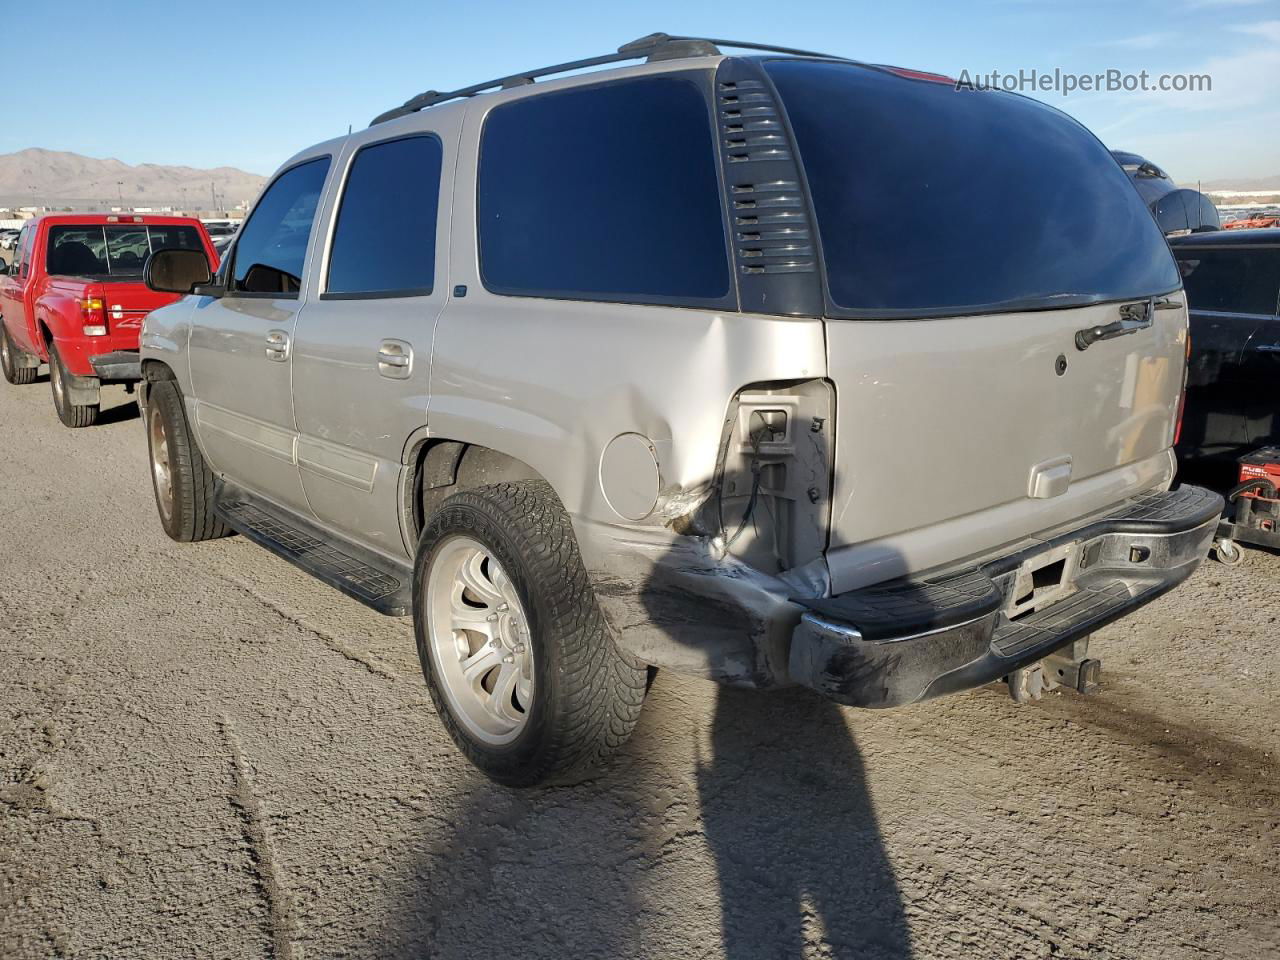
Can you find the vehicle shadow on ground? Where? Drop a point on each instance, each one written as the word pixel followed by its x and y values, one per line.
pixel 579 871
pixel 788 817
pixel 123 411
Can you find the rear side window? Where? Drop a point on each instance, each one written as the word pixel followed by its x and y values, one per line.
pixel 1231 280
pixel 273 244
pixel 384 242
pixel 603 193
pixel 933 202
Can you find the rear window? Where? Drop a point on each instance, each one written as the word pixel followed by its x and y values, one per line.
pixel 111 250
pixel 933 202
pixel 1231 280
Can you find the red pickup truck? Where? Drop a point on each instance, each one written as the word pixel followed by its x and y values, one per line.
pixel 73 298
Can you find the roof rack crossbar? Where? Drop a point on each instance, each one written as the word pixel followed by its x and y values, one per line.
pixel 655 46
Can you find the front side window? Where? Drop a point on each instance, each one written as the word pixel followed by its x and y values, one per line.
pixel 1231 280
pixel 937 202
pixel 603 193
pixel 273 243
pixel 384 241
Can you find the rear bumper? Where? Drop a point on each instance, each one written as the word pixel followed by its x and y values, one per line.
pixel 910 640
pixel 118 366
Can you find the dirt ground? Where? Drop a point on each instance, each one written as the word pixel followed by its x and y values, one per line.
pixel 204 753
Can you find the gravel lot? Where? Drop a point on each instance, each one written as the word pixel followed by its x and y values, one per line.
pixel 204 753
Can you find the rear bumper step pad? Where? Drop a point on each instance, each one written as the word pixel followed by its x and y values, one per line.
pixel 913 639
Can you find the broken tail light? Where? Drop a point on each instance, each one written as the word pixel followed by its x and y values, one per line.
pixel 1182 397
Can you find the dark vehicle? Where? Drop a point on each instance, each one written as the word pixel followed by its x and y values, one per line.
pixel 1179 211
pixel 1232 281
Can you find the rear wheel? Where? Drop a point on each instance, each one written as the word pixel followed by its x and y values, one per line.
pixel 522 670
pixel 9 362
pixel 71 414
pixel 182 481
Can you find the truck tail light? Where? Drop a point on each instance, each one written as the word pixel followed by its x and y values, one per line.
pixel 1182 397
pixel 93 313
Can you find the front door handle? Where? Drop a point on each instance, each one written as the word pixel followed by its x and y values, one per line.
pixel 277 345
pixel 395 359
pixel 1133 317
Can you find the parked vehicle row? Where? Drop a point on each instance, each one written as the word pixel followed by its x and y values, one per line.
pixel 689 395
pixel 1254 221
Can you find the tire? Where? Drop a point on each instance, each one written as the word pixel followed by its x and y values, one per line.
pixel 180 478
pixel 19 376
pixel 73 415
pixel 585 695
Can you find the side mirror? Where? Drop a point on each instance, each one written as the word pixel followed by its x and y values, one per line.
pixel 177 271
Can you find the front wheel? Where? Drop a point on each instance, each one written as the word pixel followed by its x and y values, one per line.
pixel 9 365
pixel 182 481
pixel 514 648
pixel 71 414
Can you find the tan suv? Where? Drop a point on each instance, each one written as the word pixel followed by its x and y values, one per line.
pixel 651 366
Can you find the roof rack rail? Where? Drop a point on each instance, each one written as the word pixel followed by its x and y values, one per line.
pixel 654 47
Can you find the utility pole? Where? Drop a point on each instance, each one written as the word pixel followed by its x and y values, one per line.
pixel 213 193
pixel 120 191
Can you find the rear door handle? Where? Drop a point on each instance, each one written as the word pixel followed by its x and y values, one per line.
pixel 395 359
pixel 277 345
pixel 1133 317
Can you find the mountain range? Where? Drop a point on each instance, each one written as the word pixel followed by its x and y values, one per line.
pixel 1257 184
pixel 54 178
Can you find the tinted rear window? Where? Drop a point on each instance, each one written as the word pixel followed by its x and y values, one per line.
pixel 1231 281
pixel 385 239
pixel 603 193
pixel 113 250
pixel 933 202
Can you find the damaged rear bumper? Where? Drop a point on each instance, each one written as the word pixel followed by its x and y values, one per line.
pixel 913 639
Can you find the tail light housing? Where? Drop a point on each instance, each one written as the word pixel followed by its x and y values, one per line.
pixel 93 314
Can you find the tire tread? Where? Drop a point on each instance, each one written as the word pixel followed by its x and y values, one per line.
pixel 601 689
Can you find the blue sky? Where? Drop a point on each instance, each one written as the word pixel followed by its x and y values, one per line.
pixel 246 84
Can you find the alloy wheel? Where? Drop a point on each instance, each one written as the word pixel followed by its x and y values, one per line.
pixel 479 641
pixel 161 470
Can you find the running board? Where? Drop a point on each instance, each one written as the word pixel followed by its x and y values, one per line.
pixel 361 574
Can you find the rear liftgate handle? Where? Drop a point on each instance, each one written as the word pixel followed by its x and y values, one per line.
pixel 1133 317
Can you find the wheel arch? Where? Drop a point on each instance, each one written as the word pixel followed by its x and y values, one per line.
pixel 153 371
pixel 439 467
